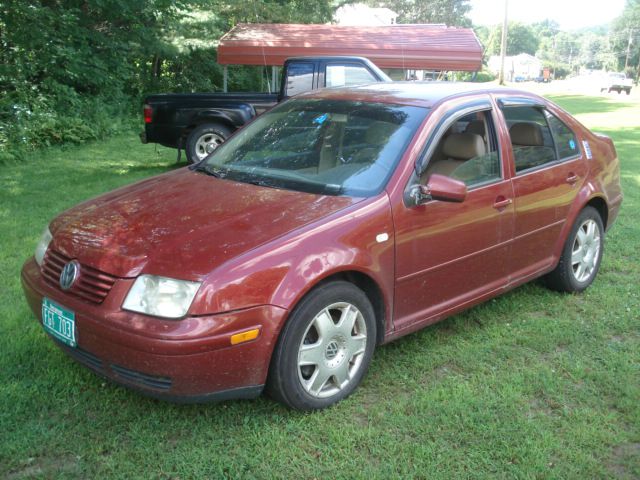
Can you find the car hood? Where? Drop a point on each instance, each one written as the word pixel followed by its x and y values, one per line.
pixel 182 224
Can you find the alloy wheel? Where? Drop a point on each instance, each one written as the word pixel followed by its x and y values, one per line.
pixel 332 350
pixel 585 251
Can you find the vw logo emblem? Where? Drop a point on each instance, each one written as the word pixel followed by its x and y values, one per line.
pixel 332 350
pixel 69 274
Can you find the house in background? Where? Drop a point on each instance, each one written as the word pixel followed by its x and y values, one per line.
pixel 517 68
pixel 360 14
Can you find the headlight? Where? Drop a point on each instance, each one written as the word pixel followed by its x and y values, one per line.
pixel 43 244
pixel 160 296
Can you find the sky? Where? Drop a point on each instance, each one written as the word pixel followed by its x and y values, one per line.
pixel 570 14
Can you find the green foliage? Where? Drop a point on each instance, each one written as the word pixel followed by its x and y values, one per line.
pixel 479 77
pixel 625 39
pixel 70 69
pixel 76 70
pixel 520 39
pixel 450 12
pixel 277 11
pixel 565 53
pixel 485 76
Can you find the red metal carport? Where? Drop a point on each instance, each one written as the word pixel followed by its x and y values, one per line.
pixel 420 47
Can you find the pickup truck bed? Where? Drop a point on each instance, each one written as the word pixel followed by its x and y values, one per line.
pixel 230 109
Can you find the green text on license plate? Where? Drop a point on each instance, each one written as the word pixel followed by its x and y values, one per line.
pixel 59 322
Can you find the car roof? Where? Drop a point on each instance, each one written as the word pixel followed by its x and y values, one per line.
pixel 422 94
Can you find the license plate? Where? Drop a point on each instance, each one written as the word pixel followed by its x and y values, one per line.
pixel 59 322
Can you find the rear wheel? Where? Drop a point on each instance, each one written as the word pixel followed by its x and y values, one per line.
pixel 204 139
pixel 324 349
pixel 581 255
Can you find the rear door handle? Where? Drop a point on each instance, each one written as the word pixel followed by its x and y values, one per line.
pixel 501 203
pixel 572 179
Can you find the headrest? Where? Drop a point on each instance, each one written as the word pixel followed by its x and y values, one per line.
pixel 378 132
pixel 463 146
pixel 477 127
pixel 527 134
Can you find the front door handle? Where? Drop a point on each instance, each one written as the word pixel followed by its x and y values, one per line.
pixel 572 179
pixel 501 203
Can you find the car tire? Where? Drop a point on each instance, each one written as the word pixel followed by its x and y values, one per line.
pixel 581 255
pixel 319 359
pixel 204 139
pixel 628 91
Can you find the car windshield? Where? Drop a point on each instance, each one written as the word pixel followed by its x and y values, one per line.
pixel 319 146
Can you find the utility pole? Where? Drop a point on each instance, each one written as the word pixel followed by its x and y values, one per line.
pixel 571 58
pixel 503 45
pixel 626 60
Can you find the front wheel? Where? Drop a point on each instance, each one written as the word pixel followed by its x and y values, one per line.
pixel 204 139
pixel 581 255
pixel 324 349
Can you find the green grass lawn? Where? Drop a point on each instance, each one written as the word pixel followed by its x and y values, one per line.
pixel 534 384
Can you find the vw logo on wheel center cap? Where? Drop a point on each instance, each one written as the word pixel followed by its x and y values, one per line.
pixel 69 274
pixel 332 350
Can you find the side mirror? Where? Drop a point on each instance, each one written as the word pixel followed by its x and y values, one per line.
pixel 439 187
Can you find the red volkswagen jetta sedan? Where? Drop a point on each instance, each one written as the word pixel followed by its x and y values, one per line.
pixel 338 221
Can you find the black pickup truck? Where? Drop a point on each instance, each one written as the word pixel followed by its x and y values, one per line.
pixel 199 122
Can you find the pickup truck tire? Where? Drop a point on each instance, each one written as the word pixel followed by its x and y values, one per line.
pixel 204 139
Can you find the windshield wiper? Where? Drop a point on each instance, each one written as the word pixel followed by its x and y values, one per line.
pixel 260 183
pixel 201 167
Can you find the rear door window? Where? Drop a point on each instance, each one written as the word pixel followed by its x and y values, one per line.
pixel 564 138
pixel 531 137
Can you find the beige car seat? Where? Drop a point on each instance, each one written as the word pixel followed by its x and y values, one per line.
pixel 528 146
pixel 457 149
pixel 375 138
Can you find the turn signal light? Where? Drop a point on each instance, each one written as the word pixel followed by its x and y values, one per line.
pixel 245 336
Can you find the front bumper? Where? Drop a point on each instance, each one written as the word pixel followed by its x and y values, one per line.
pixel 189 360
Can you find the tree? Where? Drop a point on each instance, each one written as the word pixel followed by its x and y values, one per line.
pixel 625 38
pixel 276 11
pixel 520 39
pixel 449 12
pixel 69 69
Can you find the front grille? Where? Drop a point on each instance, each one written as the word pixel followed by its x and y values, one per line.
pixel 92 285
pixel 142 379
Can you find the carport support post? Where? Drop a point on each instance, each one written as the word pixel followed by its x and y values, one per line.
pixel 225 74
pixel 274 78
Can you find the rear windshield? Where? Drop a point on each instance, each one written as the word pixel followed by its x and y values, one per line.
pixel 320 146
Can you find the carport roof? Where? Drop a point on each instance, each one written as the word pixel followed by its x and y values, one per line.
pixel 421 47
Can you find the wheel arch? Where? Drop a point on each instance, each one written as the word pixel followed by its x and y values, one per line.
pixel 601 207
pixel 213 120
pixel 364 282
pixel 587 198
